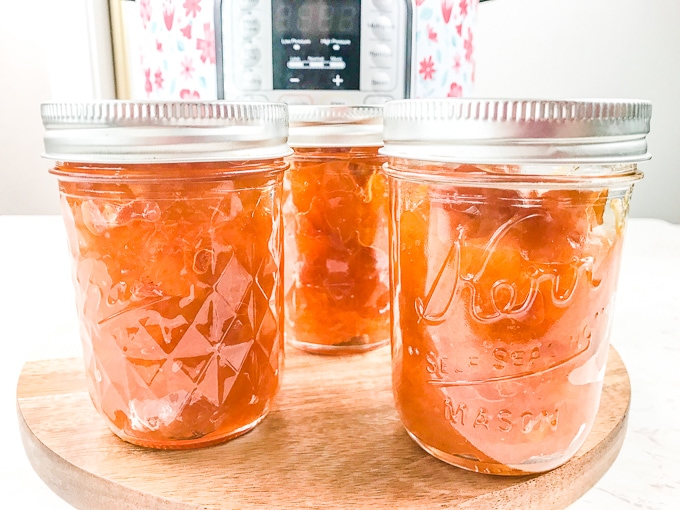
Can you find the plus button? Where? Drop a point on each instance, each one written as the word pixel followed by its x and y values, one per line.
pixel 337 80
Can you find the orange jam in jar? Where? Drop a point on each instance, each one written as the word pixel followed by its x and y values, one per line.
pixel 335 217
pixel 506 225
pixel 172 212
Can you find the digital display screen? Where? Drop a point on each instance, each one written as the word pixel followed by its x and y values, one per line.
pixel 315 44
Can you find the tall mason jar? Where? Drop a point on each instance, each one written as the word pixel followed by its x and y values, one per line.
pixel 507 219
pixel 173 216
pixel 335 217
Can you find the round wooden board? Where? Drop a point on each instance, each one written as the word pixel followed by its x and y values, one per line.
pixel 333 440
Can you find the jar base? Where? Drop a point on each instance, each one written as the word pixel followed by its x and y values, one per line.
pixel 338 349
pixel 187 444
pixel 470 463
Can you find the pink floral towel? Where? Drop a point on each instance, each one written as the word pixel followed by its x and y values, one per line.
pixel 444 47
pixel 172 49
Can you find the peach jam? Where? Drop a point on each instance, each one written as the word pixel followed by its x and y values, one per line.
pixel 506 225
pixel 173 216
pixel 335 217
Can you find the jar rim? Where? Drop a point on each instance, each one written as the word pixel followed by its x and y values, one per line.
pixel 122 131
pixel 335 126
pixel 489 130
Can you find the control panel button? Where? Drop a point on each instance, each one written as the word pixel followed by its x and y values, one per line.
pixel 251 81
pixel 337 80
pixel 384 5
pixel 382 27
pixel 250 26
pixel 381 55
pixel 249 4
pixel 381 81
pixel 251 55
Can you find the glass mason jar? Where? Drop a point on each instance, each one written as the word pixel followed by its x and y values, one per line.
pixel 172 212
pixel 506 224
pixel 335 217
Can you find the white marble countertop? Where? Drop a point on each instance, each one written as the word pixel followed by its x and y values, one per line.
pixel 37 315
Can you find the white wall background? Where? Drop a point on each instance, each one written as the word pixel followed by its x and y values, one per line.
pixel 46 53
pixel 593 48
pixel 524 48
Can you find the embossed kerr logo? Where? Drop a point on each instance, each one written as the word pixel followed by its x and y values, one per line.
pixel 506 298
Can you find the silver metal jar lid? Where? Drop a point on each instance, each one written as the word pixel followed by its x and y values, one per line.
pixel 156 131
pixel 335 126
pixel 514 131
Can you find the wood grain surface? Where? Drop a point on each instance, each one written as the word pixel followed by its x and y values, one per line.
pixel 333 440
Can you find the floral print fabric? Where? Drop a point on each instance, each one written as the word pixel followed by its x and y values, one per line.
pixel 172 49
pixel 444 43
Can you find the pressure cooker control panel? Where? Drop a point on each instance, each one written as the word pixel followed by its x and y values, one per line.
pixel 314 51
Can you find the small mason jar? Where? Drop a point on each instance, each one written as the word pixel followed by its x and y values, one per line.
pixel 173 216
pixel 506 224
pixel 335 217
